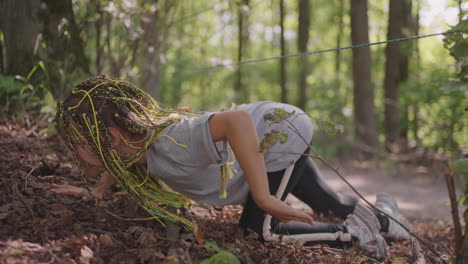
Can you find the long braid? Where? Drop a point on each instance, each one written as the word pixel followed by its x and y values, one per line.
pixel 84 117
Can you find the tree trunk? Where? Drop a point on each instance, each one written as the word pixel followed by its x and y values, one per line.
pixel 151 62
pixel 61 46
pixel 98 26
pixel 364 113
pixel 20 25
pixel 2 67
pixel 302 42
pixel 338 39
pixel 407 51
pixel 284 91
pixel 340 100
pixel 417 61
pixel 243 35
pixel 392 74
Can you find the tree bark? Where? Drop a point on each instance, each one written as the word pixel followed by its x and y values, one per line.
pixel 283 81
pixel 2 59
pixel 338 39
pixel 417 62
pixel 151 62
pixel 20 25
pixel 98 27
pixel 302 42
pixel 243 35
pixel 340 100
pixel 364 113
pixel 393 74
pixel 407 49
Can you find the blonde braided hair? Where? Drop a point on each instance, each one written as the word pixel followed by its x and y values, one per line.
pixel 100 102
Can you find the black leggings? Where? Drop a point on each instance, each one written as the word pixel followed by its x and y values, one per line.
pixel 306 184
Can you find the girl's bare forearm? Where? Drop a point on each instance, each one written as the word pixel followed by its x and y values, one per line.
pixel 239 130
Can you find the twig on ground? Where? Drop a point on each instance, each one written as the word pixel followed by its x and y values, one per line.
pixel 57 258
pixel 21 198
pixel 418 255
pixel 26 178
pixel 339 250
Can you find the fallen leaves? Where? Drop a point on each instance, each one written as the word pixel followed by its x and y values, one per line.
pixel 67 230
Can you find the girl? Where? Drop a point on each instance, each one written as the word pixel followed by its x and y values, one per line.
pixel 164 157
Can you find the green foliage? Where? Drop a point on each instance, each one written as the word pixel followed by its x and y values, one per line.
pixel 271 138
pixel 457 44
pixel 221 257
pixel 461 166
pixel 28 95
pixel 185 38
pixel 9 91
pixel 328 126
pixel 278 115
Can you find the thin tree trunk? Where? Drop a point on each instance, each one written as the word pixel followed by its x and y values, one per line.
pixel 20 25
pixel 417 62
pixel 284 91
pixel 77 44
pixel 392 74
pixel 364 113
pixel 242 31
pixel 114 70
pixel 340 100
pixel 415 109
pixel 98 26
pixel 303 40
pixel 407 51
pixel 2 67
pixel 338 39
pixel 151 62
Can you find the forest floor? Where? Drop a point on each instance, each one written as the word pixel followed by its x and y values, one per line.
pixel 37 226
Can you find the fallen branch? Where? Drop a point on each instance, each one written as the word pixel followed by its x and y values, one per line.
pixel 418 255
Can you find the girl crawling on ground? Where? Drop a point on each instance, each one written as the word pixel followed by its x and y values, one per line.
pixel 171 157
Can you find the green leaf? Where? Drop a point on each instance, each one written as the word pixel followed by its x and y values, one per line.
pixel 328 126
pixel 460 49
pixel 279 114
pixel 26 87
pixel 222 257
pixel 30 74
pixel 462 200
pixel 461 166
pixel 271 138
pixel 8 84
pixel 462 26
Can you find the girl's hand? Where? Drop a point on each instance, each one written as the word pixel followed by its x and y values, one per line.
pixel 65 189
pixel 283 212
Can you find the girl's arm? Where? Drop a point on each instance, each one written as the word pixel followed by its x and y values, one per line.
pixel 238 128
pixel 98 190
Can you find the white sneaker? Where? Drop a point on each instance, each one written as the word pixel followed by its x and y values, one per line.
pixel 387 204
pixel 364 225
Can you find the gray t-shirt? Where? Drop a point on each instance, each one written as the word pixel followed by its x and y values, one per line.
pixel 195 170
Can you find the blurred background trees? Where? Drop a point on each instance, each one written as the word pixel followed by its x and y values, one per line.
pixel 397 98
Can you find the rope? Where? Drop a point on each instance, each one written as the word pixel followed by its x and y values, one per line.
pixel 322 51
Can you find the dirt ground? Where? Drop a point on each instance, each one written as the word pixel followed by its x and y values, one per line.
pixel 37 226
pixel 421 193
